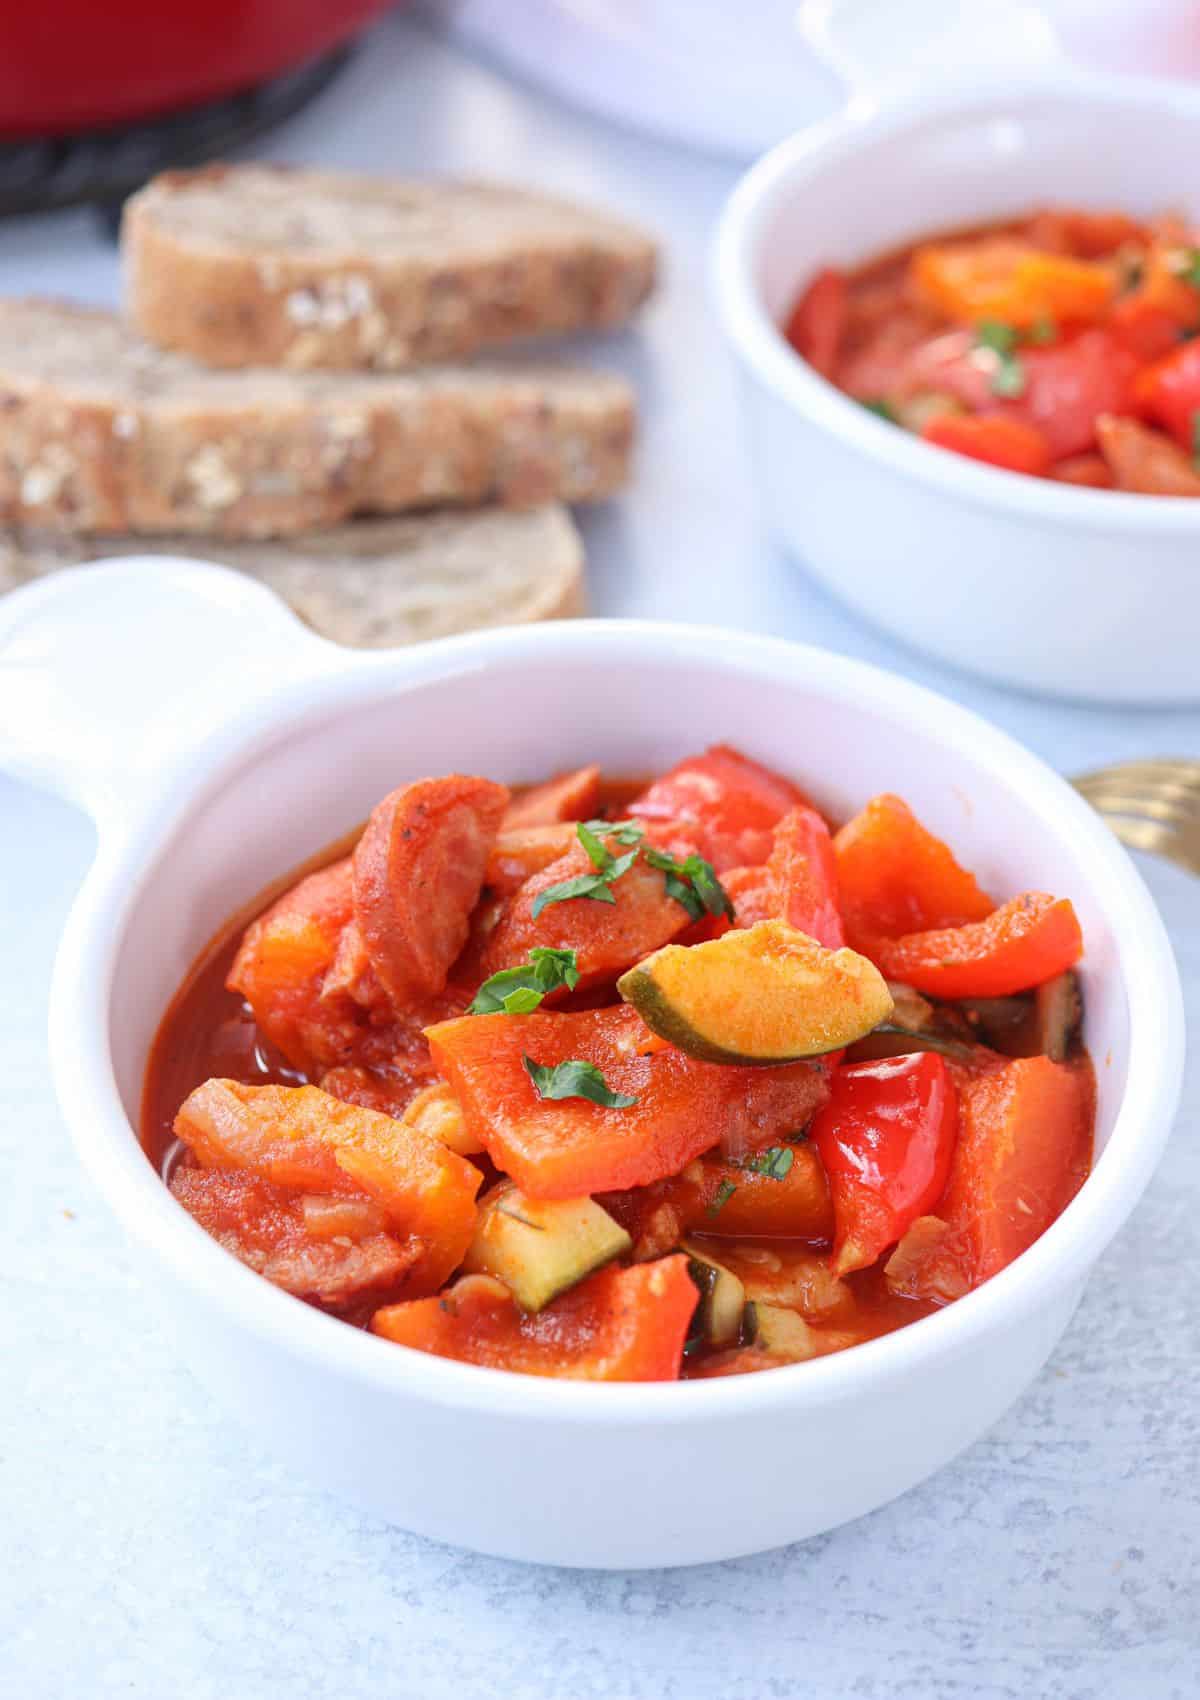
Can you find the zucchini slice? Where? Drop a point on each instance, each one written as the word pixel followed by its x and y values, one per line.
pixel 758 995
pixel 540 1247
pixel 718 1319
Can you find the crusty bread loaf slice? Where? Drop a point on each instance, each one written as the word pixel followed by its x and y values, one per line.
pixel 268 265
pixel 378 582
pixel 102 433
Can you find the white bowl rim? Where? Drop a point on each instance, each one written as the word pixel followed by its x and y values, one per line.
pixel 110 1147
pixel 761 344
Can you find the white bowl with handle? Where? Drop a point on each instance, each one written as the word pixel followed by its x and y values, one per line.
pixel 1090 594
pixel 216 743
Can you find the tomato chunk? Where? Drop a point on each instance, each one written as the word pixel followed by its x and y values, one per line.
pixel 607 938
pixel 886 1138
pixel 797 884
pixel 418 870
pixel 565 1148
pixel 271 1231
pixel 1069 386
pixel 1007 443
pixel 732 803
pixel 817 322
pixel 572 796
pixel 1023 943
pixel 618 1325
pixel 1022 1152
pixel 894 876
pixel 299 1136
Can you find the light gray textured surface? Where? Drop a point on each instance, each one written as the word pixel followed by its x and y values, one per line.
pixel 147 1549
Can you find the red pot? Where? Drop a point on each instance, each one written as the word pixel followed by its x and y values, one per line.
pixel 71 65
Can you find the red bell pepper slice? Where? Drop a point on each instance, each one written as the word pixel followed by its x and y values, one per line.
pixel 563 1148
pixel 618 1325
pixel 1023 1151
pixel 1025 942
pixel 1010 444
pixel 798 883
pixel 1169 393
pixel 817 322
pixel 732 803
pixel 1146 460
pixel 886 1138
pixel 896 877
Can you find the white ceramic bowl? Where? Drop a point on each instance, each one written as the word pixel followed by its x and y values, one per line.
pixel 216 743
pixel 1073 592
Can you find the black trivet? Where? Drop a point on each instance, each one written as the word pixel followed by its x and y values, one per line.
pixel 101 167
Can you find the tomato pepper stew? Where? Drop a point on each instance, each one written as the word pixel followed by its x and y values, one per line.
pixel 628 1083
pixel 1062 345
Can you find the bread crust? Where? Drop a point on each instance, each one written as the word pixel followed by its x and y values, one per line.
pixel 378 582
pixel 100 433
pixel 271 265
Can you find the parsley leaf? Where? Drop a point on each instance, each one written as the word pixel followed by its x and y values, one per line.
pixel 683 893
pixel 597 885
pixel 1186 266
pixel 720 1198
pixel 884 409
pixel 774 1162
pixel 1043 330
pixel 703 880
pixel 583 885
pixel 574 1079
pixel 599 854
pixel 999 340
pixel 624 831
pixel 517 991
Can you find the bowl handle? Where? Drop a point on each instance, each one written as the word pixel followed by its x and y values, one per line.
pixel 107 672
pixel 881 50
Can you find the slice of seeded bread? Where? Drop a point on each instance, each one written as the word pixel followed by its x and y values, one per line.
pixel 99 433
pixel 268 265
pixel 378 582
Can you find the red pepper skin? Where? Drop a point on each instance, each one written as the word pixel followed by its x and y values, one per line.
pixel 886 1138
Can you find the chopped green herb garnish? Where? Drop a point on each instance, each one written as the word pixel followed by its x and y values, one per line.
pixel 884 409
pixel 720 1198
pixel 1000 340
pixel 598 854
pixel 624 831
pixel 684 894
pixel 995 334
pixel 574 1079
pixel 702 881
pixel 1043 330
pixel 774 1162
pixel 1186 266
pixel 1196 437
pixel 517 991
pixel 597 885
